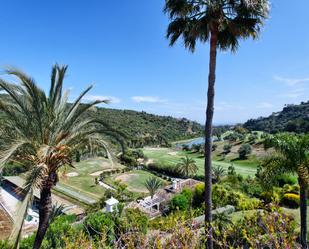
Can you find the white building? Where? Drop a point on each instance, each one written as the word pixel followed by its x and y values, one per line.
pixel 111 205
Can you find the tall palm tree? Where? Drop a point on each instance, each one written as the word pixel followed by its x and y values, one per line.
pixel 187 166
pixel 153 184
pixel 292 157
pixel 44 131
pixel 221 23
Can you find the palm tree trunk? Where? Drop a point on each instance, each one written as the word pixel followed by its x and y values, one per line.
pixel 44 214
pixel 303 213
pixel 208 135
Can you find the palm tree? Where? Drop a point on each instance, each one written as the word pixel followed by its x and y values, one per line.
pixel 153 184
pixel 292 157
pixel 218 173
pixel 56 211
pixel 187 166
pixel 221 23
pixel 44 131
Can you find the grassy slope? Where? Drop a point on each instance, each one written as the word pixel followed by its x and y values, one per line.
pixel 170 156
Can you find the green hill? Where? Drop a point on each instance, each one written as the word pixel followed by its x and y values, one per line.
pixel 293 118
pixel 142 128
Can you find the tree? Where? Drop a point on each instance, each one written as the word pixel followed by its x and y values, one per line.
pixel 187 166
pixel 292 157
pixel 153 184
pixel 227 148
pixel 221 23
pixel 244 151
pixel 218 173
pixel 196 147
pixel 44 131
pixel 231 170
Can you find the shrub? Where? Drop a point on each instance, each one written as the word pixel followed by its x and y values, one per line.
pixel 222 196
pixel 290 200
pixel 244 151
pixel 227 148
pixel 98 222
pixel 252 188
pixel 198 195
pixel 134 221
pixel 288 189
pixel 185 147
pixel 169 170
pixel 187 193
pixel 285 179
pixel 270 196
pixel 179 202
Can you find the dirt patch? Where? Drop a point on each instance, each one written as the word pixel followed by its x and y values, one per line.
pixel 71 174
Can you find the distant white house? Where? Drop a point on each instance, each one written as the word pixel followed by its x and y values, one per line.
pixel 111 205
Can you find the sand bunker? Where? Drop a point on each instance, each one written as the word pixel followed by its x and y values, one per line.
pixel 72 174
pixel 97 173
pixel 173 153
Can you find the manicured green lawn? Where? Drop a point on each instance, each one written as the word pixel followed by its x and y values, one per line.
pixel 79 179
pixel 135 180
pixel 170 156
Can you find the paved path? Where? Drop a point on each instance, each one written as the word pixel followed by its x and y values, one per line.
pixel 104 185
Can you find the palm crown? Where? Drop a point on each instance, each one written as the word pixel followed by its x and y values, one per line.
pixel 187 166
pixel 44 131
pixel 194 20
pixel 153 184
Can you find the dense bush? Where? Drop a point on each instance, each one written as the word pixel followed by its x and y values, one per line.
pixel 133 220
pixel 222 196
pixel 54 238
pixel 270 197
pixel 13 169
pixel 98 222
pixel 169 170
pixel 227 148
pixel 244 151
pixel 290 200
pixel 261 229
pixel 181 201
pixel 285 179
pixel 198 195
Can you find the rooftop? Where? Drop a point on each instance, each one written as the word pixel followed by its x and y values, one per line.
pixel 112 201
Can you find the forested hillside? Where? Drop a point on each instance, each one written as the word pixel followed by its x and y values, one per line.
pixel 142 128
pixel 293 118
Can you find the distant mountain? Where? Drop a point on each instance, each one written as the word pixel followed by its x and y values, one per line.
pixel 293 118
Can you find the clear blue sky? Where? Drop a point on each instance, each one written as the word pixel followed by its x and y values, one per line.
pixel 121 47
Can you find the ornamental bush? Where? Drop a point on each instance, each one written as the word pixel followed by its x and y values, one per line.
pixel 179 202
pixel 290 200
